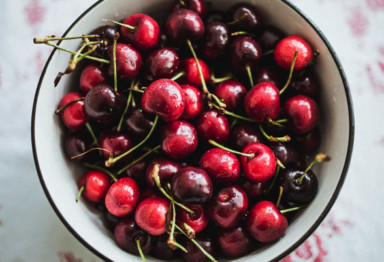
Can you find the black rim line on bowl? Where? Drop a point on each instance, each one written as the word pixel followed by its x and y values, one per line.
pixel 324 212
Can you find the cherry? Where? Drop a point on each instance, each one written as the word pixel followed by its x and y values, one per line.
pixel 191 185
pixel 228 206
pixel 305 84
pixel 193 101
pixel 110 221
pixel 266 74
pixel 115 143
pixel 270 36
pixel 128 62
pixel 245 54
pixel 234 242
pixel 253 190
pixel 285 152
pixel 303 113
pixel 212 125
pixel 285 51
pixel 167 169
pixel 193 253
pixel 150 215
pixel 94 185
pixel 265 222
pixel 144 32
pixel 221 165
pixel 137 172
pixel 262 166
pixel 192 75
pixel 216 39
pixel 102 104
pixel 107 34
pixel 75 144
pixel 72 111
pixel 197 221
pixel 138 123
pixel 163 97
pixel 161 250
pixel 197 6
pixel 161 63
pixel 262 102
pixel 308 143
pixel 130 237
pixel 243 135
pixel 122 197
pixel 244 16
pixel 232 93
pixel 178 139
pixel 91 76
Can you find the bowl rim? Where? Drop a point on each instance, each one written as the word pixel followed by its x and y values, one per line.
pixel 315 224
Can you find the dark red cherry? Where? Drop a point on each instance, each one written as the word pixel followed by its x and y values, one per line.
pixel 91 76
pixel 266 74
pixel 285 51
pixel 167 169
pixel 216 39
pixel 102 104
pixel 73 115
pixel 303 113
pixel 163 97
pixel 192 75
pixel 96 184
pixel 191 185
pixel 197 6
pixel 150 215
pixel 146 34
pixel 305 84
pixel 122 197
pixel 161 63
pixel 77 143
pixel 161 250
pixel 286 152
pixel 137 172
pixel 243 135
pixel 128 62
pixel 232 93
pixel 193 253
pixel 193 101
pixel 197 221
pixel 107 35
pixel 184 24
pixel 178 139
pixel 246 15
pixel 263 102
pixel 265 223
pixel 245 52
pixel 212 125
pixel 234 242
pixel 269 37
pixel 221 165
pixel 308 143
pixel 228 206
pixel 262 166
pixel 253 190
pixel 110 221
pixel 115 143
pixel 138 123
pixel 127 233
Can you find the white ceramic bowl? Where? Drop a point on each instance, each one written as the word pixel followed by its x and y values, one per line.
pixel 56 173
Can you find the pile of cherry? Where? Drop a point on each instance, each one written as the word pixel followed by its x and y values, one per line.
pixel 196 137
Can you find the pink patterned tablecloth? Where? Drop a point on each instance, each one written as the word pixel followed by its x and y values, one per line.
pixel 31 231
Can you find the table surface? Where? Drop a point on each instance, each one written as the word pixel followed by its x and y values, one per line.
pixel 31 231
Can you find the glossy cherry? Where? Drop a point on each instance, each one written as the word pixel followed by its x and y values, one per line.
pixel 106 34
pixel 128 62
pixel 163 97
pixel 146 32
pixel 197 221
pixel 245 52
pixel 150 215
pixel 246 16
pixel 286 152
pixel 115 143
pixel 232 93
pixel 216 40
pixel 305 84
pixel 191 185
pixel 122 197
pixel 96 184
pixel 91 76
pixel 138 123
pixel 193 101
pixel 243 135
pixel 197 6
pixel 221 165
pixel 228 206
pixel 77 143
pixel 167 169
pixel 262 166
pixel 73 115
pixel 161 63
pixel 193 253
pixel 265 223
pixel 234 242
pixel 192 75
pixel 212 125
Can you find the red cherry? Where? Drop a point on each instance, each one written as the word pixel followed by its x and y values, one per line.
pixel 163 97
pixel 285 51
pixel 265 222
pixel 146 34
pixel 197 6
pixel 96 184
pixel 232 93
pixel 150 215
pixel 302 112
pixel 167 169
pixel 221 165
pixel 73 116
pixel 246 15
pixel 216 40
pixel 263 102
pixel 197 221
pixel 262 166
pixel 212 125
pixel 128 62
pixel 243 135
pixel 193 101
pixel 245 52
pixel 161 63
pixel 179 139
pixel 234 242
pixel 115 144
pixel 91 76
pixel 192 75
pixel 122 197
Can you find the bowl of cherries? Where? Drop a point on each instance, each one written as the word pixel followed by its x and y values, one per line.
pixel 192 131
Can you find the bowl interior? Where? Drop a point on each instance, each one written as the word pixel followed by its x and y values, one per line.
pixel 58 176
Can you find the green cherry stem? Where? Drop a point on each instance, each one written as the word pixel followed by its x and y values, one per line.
pixel 249 73
pixel 140 250
pixel 318 159
pixel 290 209
pixel 58 111
pixel 126 108
pixel 214 143
pixel 178 75
pixel 238 20
pixel 133 28
pixel 243 33
pixel 80 193
pixel 285 138
pixel 226 112
pixel 116 36
pixel 172 243
pixel 280 195
pixel 92 166
pixel 54 38
pixel 290 73
pixel 90 130
pixel 274 178
pixel 215 80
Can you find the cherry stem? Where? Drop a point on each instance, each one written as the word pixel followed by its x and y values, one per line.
pixel 178 75
pixel 116 36
pixel 156 178
pixel 204 85
pixel 111 160
pixel 92 166
pixel 238 20
pixel 214 143
pixel 290 209
pixel 92 149
pixel 90 130
pixel 54 38
pixel 78 56
pixel 290 73
pixel 140 250
pixel 243 33
pixel 82 188
pixel 93 48
pixel 278 122
pixel 150 151
pixel 191 233
pixel 249 73
pixel 226 112
pixel 280 195
pixel 274 178
pixel 269 52
pixel 133 28
pixel 318 159
pixel 234 122
pixel 221 79
pixel 58 111
pixel 182 3
pixel 218 101
pixel 285 138
pixel 136 90
pixel 171 241
pixel 125 109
